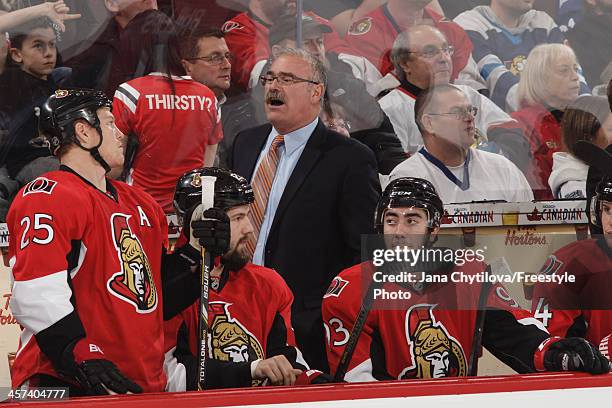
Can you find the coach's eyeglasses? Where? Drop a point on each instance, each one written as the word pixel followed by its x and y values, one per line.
pixel 215 59
pixel 284 79
pixel 459 114
pixel 432 52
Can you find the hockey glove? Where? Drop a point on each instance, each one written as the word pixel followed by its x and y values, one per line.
pixel 85 362
pixel 575 354
pixel 212 231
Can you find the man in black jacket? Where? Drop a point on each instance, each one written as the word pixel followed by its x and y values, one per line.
pixel 315 191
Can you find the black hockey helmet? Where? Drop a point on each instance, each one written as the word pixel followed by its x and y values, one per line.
pixel 231 190
pixel 603 192
pixel 410 192
pixel 64 107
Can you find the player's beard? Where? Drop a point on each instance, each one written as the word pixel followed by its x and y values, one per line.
pixel 235 259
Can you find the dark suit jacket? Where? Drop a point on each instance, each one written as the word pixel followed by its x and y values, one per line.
pixel 329 201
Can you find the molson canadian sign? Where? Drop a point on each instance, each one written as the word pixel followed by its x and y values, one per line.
pixel 500 214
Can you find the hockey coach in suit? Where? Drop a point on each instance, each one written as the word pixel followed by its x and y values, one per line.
pixel 315 192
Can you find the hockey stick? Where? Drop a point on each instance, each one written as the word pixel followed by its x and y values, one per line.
pixel 594 156
pixel 362 316
pixel 208 194
pixel 501 266
pixel 478 328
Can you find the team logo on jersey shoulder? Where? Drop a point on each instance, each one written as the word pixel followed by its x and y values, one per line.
pixel 134 282
pixel 230 340
pixel 434 352
pixel 39 185
pixel 551 266
pixel 61 93
pixel 361 26
pixel 335 287
pixel 231 25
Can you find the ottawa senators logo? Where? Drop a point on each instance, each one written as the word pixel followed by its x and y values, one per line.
pixel 39 185
pixel 134 283
pixel 61 93
pixel 361 26
pixel 551 266
pixel 435 353
pixel 230 340
pixel 231 25
pixel 335 287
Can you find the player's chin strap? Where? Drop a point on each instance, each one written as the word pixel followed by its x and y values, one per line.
pixel 95 153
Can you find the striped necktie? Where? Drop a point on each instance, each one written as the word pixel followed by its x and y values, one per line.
pixel 262 184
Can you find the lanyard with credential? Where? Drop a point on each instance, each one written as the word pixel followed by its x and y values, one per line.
pixel 463 185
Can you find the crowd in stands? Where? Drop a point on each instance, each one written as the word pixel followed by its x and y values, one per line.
pixel 484 99
pixel 379 56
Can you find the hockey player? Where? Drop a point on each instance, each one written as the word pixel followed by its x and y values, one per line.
pixel 426 336
pixel 564 309
pixel 89 266
pixel 249 309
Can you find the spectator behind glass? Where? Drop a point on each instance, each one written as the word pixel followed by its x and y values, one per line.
pixel 207 59
pixel 341 13
pixel 590 39
pixel 372 36
pixel 422 57
pixel 549 83
pixel 503 34
pixel 102 66
pixel 247 37
pixel 173 119
pixel 588 118
pixel 26 83
pixel 459 172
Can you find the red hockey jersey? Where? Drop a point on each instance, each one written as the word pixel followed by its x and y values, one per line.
pixel 75 248
pixel 249 318
pixel 558 306
pixel 372 37
pixel 543 132
pixel 172 129
pixel 247 37
pixel 429 335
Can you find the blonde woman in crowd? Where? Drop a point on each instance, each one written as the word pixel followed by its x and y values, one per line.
pixel 549 83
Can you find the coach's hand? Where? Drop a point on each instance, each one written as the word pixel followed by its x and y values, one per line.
pixel 277 369
pixel 575 354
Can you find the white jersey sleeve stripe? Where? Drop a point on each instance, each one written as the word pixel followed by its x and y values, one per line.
pixel 361 373
pixel 82 253
pixel 132 92
pixel 39 303
pixel 532 320
pixel 127 100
